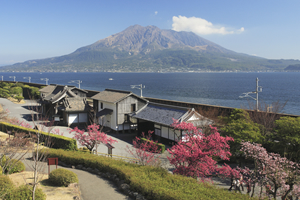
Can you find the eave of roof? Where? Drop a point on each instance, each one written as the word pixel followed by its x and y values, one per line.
pixel 161 113
pixel 114 96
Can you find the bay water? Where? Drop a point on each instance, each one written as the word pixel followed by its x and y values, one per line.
pixel 222 89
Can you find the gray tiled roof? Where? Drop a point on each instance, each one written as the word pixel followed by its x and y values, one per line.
pixel 76 104
pixel 160 113
pixel 48 89
pixel 54 89
pixel 59 93
pixel 111 96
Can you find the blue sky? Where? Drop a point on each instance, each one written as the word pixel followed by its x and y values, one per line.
pixel 47 28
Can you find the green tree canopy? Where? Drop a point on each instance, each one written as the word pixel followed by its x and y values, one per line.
pixel 287 137
pixel 239 126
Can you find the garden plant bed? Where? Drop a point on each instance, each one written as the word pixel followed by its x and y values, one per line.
pixel 52 192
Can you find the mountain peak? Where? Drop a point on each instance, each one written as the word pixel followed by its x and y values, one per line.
pixel 138 39
pixel 150 48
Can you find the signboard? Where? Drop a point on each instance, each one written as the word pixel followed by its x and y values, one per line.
pixel 52 161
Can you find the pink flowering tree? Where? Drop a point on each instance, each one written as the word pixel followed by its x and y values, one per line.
pixel 92 137
pixel 193 156
pixel 278 175
pixel 145 150
pixel 17 122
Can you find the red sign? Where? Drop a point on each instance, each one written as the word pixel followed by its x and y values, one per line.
pixel 52 161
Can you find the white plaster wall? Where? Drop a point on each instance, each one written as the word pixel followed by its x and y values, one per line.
pixel 113 115
pixel 194 117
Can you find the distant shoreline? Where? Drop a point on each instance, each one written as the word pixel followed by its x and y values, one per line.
pixel 148 72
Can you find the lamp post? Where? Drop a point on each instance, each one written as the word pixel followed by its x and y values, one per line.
pixel 140 87
pixel 29 78
pixel 45 79
pixel 258 89
pixel 76 81
pixel 13 78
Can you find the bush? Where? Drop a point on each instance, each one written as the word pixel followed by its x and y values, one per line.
pixel 0 170
pixel 15 166
pixel 152 182
pixel 19 98
pixel 16 90
pixel 84 149
pixel 25 192
pixel 3 84
pixel 62 177
pixel 59 142
pixel 2 160
pixel 160 147
pixel 6 185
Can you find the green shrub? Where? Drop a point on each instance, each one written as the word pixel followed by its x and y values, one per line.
pixel 6 185
pixel 14 166
pixel 0 170
pixel 25 86
pixel 31 92
pixel 152 182
pixel 16 90
pixel 84 149
pixel 34 91
pixel 3 84
pixel 24 192
pixel 19 84
pixel 19 98
pixel 5 95
pixel 3 160
pixel 59 142
pixel 160 147
pixel 62 177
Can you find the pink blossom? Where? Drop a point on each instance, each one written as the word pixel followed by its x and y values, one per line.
pixel 193 157
pixel 92 137
pixel 145 151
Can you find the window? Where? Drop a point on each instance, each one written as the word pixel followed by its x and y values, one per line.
pixel 133 108
pixel 101 105
pixel 157 132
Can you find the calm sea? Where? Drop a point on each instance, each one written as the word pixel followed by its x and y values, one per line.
pixel 221 89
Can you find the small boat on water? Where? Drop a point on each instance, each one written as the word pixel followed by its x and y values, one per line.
pixel 110 79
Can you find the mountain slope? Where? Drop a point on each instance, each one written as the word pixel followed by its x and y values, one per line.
pixel 137 39
pixel 139 48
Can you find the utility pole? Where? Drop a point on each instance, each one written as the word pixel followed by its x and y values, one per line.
pixel 258 89
pixel 45 79
pixel 29 78
pixel 76 81
pixel 140 87
pixel 256 94
pixel 13 78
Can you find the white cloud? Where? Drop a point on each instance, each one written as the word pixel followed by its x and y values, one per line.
pixel 155 12
pixel 201 26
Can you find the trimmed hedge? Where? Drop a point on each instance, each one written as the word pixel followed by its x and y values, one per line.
pixel 15 166
pixel 59 142
pixel 151 182
pixel 25 192
pixel 6 186
pixel 62 177
pixel 160 147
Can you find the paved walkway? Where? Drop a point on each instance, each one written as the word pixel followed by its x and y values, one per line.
pixel 92 187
